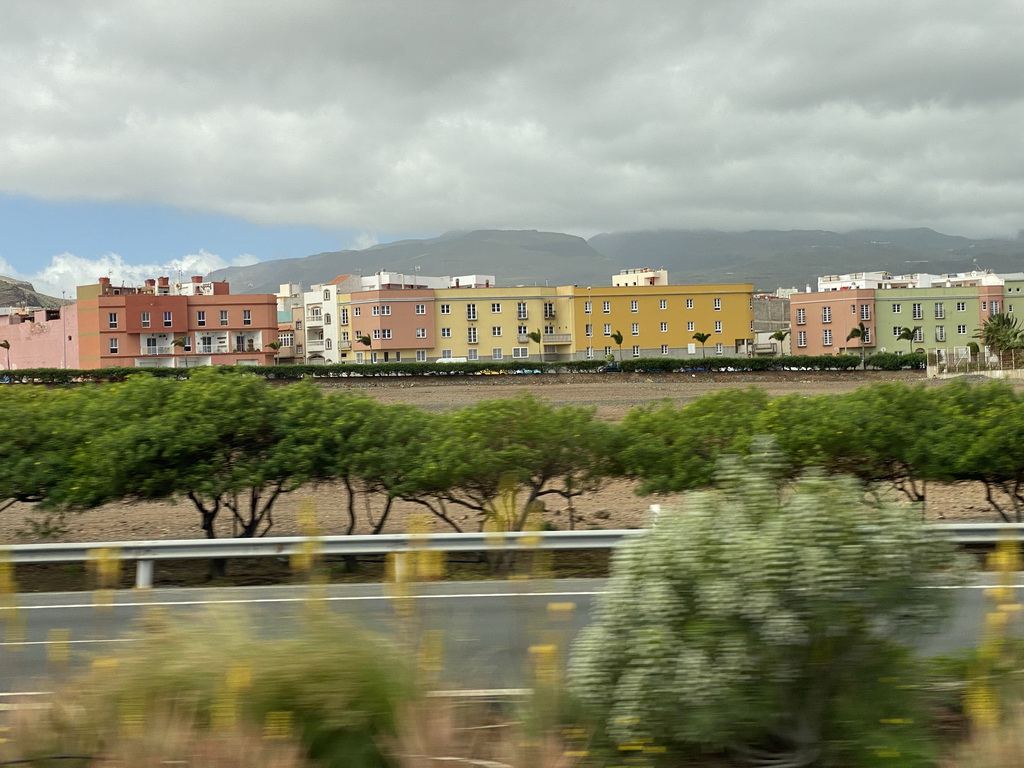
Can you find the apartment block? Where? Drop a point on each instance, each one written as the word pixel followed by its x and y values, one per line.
pixel 173 325
pixel 39 338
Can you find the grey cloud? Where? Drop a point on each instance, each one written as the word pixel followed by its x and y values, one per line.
pixel 574 116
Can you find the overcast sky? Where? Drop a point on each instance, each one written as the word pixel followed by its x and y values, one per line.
pixel 255 130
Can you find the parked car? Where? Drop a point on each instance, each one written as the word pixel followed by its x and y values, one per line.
pixel 611 367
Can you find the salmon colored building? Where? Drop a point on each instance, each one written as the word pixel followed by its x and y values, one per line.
pixel 39 338
pixel 165 325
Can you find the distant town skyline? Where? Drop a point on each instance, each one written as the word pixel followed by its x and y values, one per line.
pixel 172 135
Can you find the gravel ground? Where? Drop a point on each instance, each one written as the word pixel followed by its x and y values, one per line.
pixel 615 506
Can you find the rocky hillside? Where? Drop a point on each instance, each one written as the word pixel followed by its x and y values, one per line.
pixel 18 293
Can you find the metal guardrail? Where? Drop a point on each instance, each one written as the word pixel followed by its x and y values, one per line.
pixel 145 553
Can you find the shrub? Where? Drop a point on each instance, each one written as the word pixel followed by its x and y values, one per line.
pixel 758 623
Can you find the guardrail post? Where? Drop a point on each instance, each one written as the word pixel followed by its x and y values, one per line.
pixel 143 574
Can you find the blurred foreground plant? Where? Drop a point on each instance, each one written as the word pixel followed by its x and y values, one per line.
pixel 765 620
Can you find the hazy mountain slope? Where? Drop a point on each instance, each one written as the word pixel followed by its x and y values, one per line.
pixel 767 258
pixel 513 257
pixel 17 293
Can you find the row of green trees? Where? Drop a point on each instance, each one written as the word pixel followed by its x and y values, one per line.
pixel 232 445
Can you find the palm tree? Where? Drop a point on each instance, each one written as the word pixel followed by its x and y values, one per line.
pixel 908 334
pixel 779 336
pixel 860 332
pixel 702 338
pixel 5 344
pixel 1000 333
pixel 364 340
pixel 617 338
pixel 274 345
pixel 538 337
pixel 180 342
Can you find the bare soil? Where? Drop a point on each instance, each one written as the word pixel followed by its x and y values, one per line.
pixel 615 506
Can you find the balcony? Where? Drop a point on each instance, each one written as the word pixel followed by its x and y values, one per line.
pixel 148 350
pixel 315 346
pixel 344 344
pixel 211 349
pixel 548 338
pixel 317 320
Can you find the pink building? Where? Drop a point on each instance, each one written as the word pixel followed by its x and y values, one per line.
pixel 40 338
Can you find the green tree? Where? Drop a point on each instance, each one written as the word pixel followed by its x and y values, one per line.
pixel 617 338
pixel 908 334
pixel 181 341
pixel 702 338
pixel 779 336
pixel 1001 333
pixel 754 623
pixel 541 450
pixel 538 338
pixel 860 333
pixel 675 449
pixel 274 345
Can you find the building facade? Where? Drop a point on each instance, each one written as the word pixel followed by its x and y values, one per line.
pixel 39 338
pixel 167 325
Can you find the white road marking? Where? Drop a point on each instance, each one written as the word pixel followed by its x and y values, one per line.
pixel 68 642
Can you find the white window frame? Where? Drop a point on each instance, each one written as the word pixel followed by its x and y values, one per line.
pixel 421 333
pixel 520 352
pixel 664 327
pixel 112 320
pixel 718 305
pixel 145 319
pixel 446 333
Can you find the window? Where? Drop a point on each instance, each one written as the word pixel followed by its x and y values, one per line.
pixel 826 314
pixel 866 339
pixel 607 329
pixel 521 313
pixel 919 335
pixel 112 320
pixel 421 355
pixel 445 353
pixel 607 351
pixel 826 337
pixel 853 309
pixel 495 308
pixel 357 311
pixel 376 333
pixel 421 309
pixel 689 303
pixel 328 344
pixel 247 317
pixel 471 335
pixel 522 330
pixel 961 306
pixel 690 326
pixel 359 357
pixel 606 307
pixel 520 352
pixel 995 307
pixel 718 305
pixel 224 316
pixel 916 312
pixel 327 294
pixel 549 309
pixel 590 353
pixel 636 329
pixel 801 338
pixel 549 329
pixel 636 350
pixel 940 310
pixel 168 322
pixel 984 306
pixel 298 325
pixel 473 354
pixel 446 333
pixel 327 319
pixel 286 339
pixel 113 346
pixel 897 330
pixel 586 307
pixel 663 304
pixel 718 326
pixel 421 333
pixel 471 311
pixel 664 327
pixel 497 354
pixel 589 330
pixel 940 333
pixel 385 333
pixel 187 346
pixel 496 330
pixel 897 308
pixel 961 329
pixel 385 309
pixel 801 317
pixel 344 316
pixel 664 349
pixel 200 319
pixel 634 306
pixel 375 310
pixel 145 319
pixel 865 311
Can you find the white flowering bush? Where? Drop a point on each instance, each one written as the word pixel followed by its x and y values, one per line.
pixel 748 621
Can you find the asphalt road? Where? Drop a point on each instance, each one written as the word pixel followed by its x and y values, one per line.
pixel 488 626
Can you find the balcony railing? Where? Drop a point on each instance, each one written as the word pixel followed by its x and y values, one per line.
pixel 557 338
pixel 315 346
pixel 158 350
pixel 314 319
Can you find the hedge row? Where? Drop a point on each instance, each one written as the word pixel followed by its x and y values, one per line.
pixel 885 361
